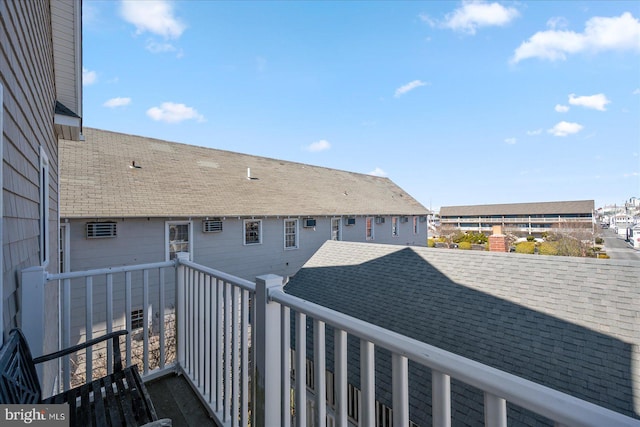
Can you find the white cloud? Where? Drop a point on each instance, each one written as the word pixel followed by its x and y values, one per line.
pixel 534 132
pixel 170 112
pixel 595 102
pixel 475 14
pixel 163 47
pixel 636 92
pixel 378 172
pixel 321 145
pixel 154 16
pixel 626 175
pixel 510 141
pixel 409 87
pixel 565 128
pixel 88 77
pixel 600 34
pixel 557 22
pixel 562 108
pixel 117 102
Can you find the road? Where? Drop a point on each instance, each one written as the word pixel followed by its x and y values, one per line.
pixel 617 248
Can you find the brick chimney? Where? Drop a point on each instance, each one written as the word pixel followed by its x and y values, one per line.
pixel 498 241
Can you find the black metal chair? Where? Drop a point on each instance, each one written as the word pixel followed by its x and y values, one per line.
pixel 118 399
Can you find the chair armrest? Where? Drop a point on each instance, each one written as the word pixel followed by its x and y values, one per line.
pixel 114 336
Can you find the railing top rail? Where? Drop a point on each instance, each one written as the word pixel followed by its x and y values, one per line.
pixel 234 280
pixel 559 407
pixel 109 270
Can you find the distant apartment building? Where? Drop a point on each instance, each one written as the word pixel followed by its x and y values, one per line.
pixel 529 218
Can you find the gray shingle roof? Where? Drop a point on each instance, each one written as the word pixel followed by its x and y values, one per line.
pixel 179 180
pixel 538 208
pixel 569 323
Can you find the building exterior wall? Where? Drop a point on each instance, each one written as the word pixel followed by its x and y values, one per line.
pixel 141 241
pixel 28 109
pixel 27 79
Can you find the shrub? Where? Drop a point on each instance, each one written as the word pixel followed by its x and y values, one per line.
pixel 479 238
pixel 547 248
pixel 530 238
pixel 526 247
pixel 464 245
pixel 431 243
pixel 599 240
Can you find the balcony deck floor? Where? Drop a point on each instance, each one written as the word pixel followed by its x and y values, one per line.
pixel 173 398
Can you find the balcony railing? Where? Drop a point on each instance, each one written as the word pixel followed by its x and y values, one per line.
pixel 518 220
pixel 232 339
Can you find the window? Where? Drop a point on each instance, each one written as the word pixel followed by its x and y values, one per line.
pixel 290 233
pixel 395 232
pixel 137 319
pixel 44 207
pixel 178 238
pixel 415 225
pixel 252 231
pixel 369 228
pixel 336 229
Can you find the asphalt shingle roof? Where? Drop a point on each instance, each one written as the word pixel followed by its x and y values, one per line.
pixel 569 323
pixel 539 208
pixel 98 180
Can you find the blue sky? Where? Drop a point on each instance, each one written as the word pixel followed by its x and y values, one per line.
pixel 457 102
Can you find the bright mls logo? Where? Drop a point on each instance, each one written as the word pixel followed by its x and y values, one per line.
pixel 36 415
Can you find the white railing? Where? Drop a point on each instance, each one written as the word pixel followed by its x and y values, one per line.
pixel 498 387
pixel 104 299
pixel 214 336
pixel 519 220
pixel 234 346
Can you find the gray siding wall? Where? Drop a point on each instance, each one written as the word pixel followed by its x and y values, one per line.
pixel 140 241
pixel 26 74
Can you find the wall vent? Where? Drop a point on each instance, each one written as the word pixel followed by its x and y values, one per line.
pixel 350 221
pixel 212 225
pixel 101 230
pixel 379 220
pixel 404 219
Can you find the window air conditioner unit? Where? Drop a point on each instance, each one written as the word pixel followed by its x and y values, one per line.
pixel 350 221
pixel 309 223
pixel 380 220
pixel 212 225
pixel 101 230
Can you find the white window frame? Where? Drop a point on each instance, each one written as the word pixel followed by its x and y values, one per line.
pixel 336 234
pixel 395 226
pixel 416 225
pixel 295 233
pixel 167 224
pixel 137 318
pixel 244 232
pixel 369 227
pixel 44 207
